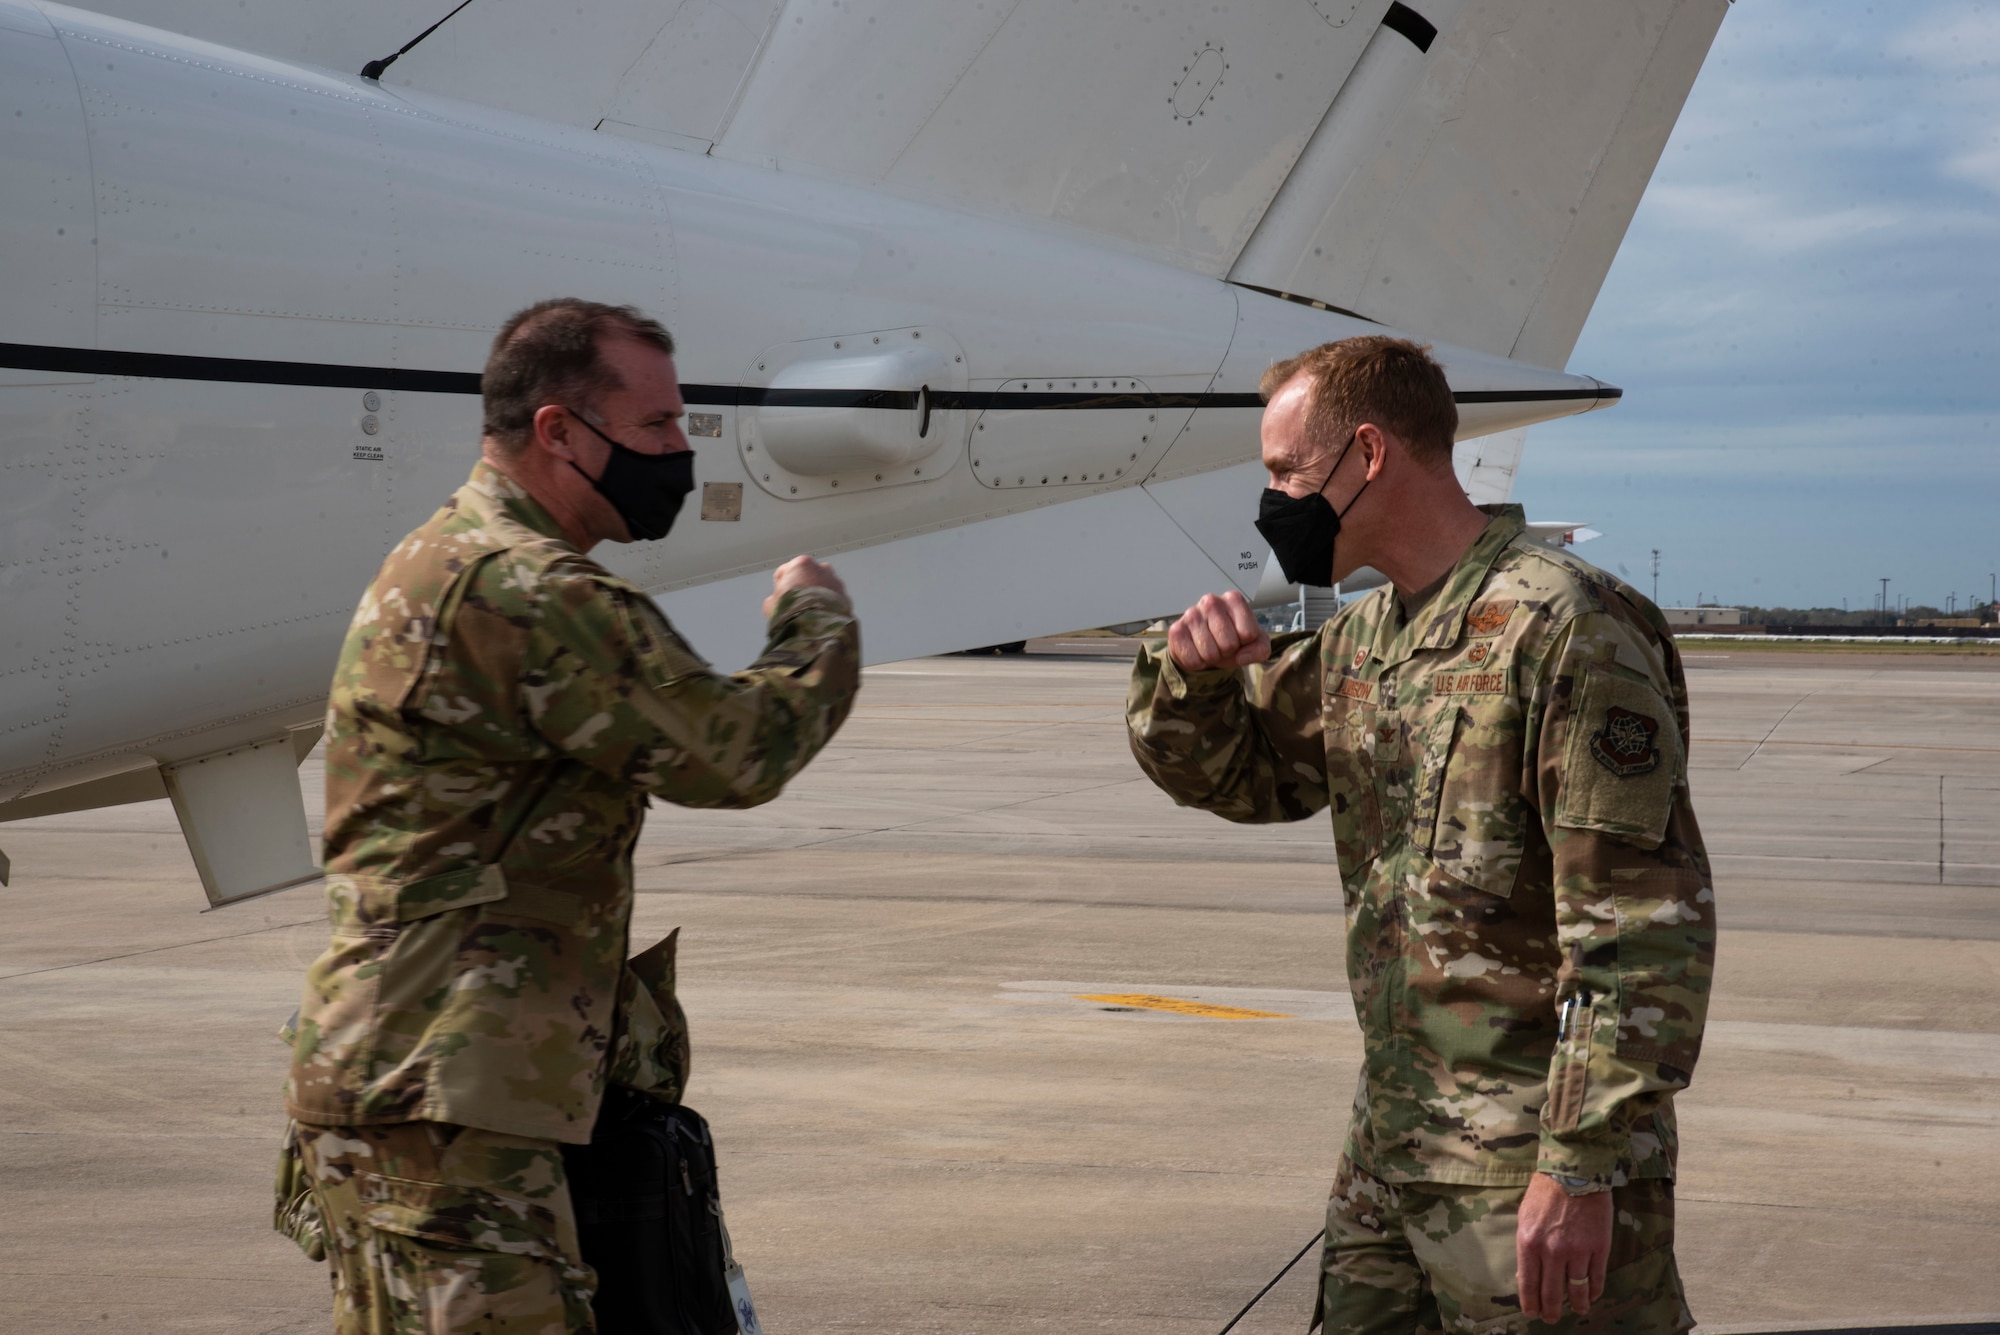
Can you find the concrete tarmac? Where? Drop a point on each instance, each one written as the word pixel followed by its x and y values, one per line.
pixel 926 1125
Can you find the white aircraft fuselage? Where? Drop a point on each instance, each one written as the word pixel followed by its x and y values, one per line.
pixel 246 307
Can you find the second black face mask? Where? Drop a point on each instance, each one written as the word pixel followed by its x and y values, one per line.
pixel 1301 530
pixel 645 489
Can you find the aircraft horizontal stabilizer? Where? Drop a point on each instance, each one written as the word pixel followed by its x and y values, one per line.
pixel 1560 535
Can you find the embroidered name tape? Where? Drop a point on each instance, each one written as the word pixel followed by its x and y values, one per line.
pixel 1355 690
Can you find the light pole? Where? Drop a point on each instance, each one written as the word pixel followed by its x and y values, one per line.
pixel 1656 576
pixel 1885 600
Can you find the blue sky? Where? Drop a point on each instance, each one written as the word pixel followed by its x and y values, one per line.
pixel 1804 320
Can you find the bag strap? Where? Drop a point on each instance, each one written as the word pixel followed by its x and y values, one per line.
pixel 1274 1284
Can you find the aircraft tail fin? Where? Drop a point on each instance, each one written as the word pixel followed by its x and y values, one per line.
pixel 1170 131
pixel 1475 187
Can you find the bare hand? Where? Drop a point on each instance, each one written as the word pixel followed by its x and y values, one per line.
pixel 801 572
pixel 1218 632
pixel 1560 1238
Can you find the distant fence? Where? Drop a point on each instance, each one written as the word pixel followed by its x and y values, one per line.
pixel 1894 632
pixel 1926 633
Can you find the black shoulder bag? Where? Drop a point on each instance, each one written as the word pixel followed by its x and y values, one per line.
pixel 649 1216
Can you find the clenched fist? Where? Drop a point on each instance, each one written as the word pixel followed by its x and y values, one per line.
pixel 1218 632
pixel 801 572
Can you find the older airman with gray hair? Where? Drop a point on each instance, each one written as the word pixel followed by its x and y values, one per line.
pixel 502 711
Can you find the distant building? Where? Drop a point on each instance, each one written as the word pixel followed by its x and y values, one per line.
pixel 1703 616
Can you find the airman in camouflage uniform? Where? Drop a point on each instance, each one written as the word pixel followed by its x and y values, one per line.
pixel 1529 911
pixel 501 713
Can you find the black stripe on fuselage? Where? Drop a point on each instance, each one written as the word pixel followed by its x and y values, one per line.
pixel 232 370
pixel 327 375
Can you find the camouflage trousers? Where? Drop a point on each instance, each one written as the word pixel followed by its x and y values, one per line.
pixel 1431 1258
pixel 433 1229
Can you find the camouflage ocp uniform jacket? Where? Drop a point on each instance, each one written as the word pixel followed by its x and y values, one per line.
pixel 1530 916
pixel 502 709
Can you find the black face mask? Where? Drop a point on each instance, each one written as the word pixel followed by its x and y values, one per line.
pixel 1301 529
pixel 645 489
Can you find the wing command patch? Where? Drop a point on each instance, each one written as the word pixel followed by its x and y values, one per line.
pixel 1625 745
pixel 1636 757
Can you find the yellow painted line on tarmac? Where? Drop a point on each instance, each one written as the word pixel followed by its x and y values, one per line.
pixel 1145 1002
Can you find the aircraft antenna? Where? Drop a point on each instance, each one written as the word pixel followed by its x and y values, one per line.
pixel 373 69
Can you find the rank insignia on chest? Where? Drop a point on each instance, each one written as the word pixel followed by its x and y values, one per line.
pixel 1360 657
pixel 1488 618
pixel 1625 745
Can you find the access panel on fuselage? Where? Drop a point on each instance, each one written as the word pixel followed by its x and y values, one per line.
pixel 1070 431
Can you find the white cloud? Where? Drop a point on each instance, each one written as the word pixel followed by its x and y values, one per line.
pixel 1964 447
pixel 1981 167
pixel 1805 316
pixel 1954 37
pixel 1959 48
pixel 1755 217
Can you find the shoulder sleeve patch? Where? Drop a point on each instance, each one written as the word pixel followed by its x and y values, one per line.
pixel 1622 758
